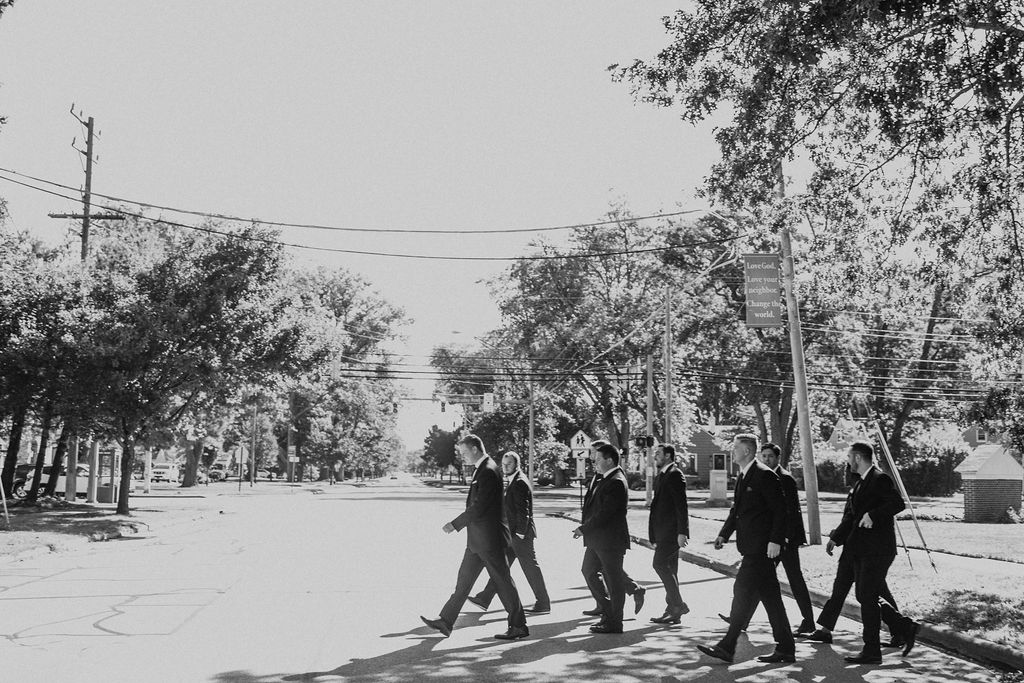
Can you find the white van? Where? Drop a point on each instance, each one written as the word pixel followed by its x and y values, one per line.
pixel 164 471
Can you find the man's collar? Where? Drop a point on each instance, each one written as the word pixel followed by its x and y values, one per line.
pixel 748 466
pixel 514 474
pixel 617 467
pixel 481 460
pixel 664 468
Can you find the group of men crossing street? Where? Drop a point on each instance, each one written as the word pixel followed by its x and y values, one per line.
pixel 765 517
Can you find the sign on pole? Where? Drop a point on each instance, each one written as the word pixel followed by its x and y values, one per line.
pixel 488 404
pixel 292 456
pixel 763 290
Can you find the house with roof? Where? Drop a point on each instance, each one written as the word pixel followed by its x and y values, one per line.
pixel 993 481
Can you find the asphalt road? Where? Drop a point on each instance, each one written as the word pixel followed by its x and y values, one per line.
pixel 327 583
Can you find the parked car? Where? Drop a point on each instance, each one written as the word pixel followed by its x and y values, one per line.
pixel 218 471
pixel 24 476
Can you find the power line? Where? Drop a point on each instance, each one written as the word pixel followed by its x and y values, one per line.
pixel 314 226
pixel 430 257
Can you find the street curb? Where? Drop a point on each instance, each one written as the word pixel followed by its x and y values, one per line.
pixel 933 634
pixel 71 544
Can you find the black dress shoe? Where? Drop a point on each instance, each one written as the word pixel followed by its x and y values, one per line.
pixel 438 625
pixel 895 642
pixel 727 619
pixel 514 633
pixel 805 627
pixel 638 599
pixel 666 618
pixel 684 609
pixel 778 658
pixel 864 658
pixel 538 609
pixel 716 652
pixel 605 628
pixel 596 612
pixel 476 600
pixel 911 637
pixel 821 636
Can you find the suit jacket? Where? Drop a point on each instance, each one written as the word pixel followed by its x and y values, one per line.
pixel 486 529
pixel 604 514
pixel 796 536
pixel 758 514
pixel 669 513
pixel 519 507
pixel 877 496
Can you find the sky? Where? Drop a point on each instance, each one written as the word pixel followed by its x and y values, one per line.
pixel 419 115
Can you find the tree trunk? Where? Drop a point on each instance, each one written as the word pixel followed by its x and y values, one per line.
pixel 192 455
pixel 13 446
pixel 44 441
pixel 127 464
pixel 58 460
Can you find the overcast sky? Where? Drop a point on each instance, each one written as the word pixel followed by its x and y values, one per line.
pixel 423 114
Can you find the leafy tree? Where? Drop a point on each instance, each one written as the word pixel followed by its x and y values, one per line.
pixel 439 450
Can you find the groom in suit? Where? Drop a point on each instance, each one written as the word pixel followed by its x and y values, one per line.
pixel 758 516
pixel 487 536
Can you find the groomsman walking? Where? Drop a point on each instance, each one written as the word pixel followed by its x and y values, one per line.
pixel 519 514
pixel 487 536
pixel 668 528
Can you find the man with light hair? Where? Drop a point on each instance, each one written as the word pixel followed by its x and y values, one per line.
pixel 758 516
pixel 518 505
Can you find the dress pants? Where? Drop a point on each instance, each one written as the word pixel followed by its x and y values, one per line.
pixel 497 569
pixel 523 550
pixel 666 566
pixel 840 589
pixel 795 576
pixel 869 578
pixel 756 582
pixel 610 593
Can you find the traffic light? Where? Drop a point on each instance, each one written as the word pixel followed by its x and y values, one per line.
pixel 442 406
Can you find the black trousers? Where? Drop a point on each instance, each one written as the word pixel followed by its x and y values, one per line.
pixel 666 566
pixel 756 582
pixel 497 568
pixel 789 558
pixel 602 570
pixel 869 578
pixel 841 588
pixel 522 550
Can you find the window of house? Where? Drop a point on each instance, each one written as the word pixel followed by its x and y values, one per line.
pixel 982 436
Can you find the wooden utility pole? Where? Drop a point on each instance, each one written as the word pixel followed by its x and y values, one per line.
pixel 799 374
pixel 668 366
pixel 649 479
pixel 86 216
pixel 531 452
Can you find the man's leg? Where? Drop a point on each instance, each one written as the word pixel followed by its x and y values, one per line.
pixel 840 589
pixel 497 568
pixel 485 596
pixel 795 577
pixel 869 573
pixel 469 570
pixel 666 566
pixel 615 578
pixel 770 595
pixel 744 600
pixel 592 575
pixel 527 555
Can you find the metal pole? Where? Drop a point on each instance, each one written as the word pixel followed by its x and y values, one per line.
pixel 87 195
pixel 649 479
pixel 799 376
pixel 94 472
pixel 252 467
pixel 531 448
pixel 668 366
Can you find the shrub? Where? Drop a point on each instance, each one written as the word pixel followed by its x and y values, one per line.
pixel 636 480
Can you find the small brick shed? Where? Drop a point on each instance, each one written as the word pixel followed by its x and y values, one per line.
pixel 992 482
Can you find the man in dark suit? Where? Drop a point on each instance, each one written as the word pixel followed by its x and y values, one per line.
pixel 869 536
pixel 758 516
pixel 606 537
pixel 595 581
pixel 668 528
pixel 487 536
pixel 843 582
pixel 519 514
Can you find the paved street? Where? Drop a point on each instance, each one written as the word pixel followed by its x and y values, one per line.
pixel 304 584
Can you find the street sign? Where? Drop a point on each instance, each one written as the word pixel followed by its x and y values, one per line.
pixel 291 452
pixel 488 404
pixel 763 290
pixel 293 458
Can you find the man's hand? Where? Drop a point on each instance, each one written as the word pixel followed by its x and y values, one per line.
pixel 830 546
pixel 577 532
pixel 522 537
pixel 773 550
pixel 448 528
pixel 682 540
pixel 865 521
pixel 719 542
